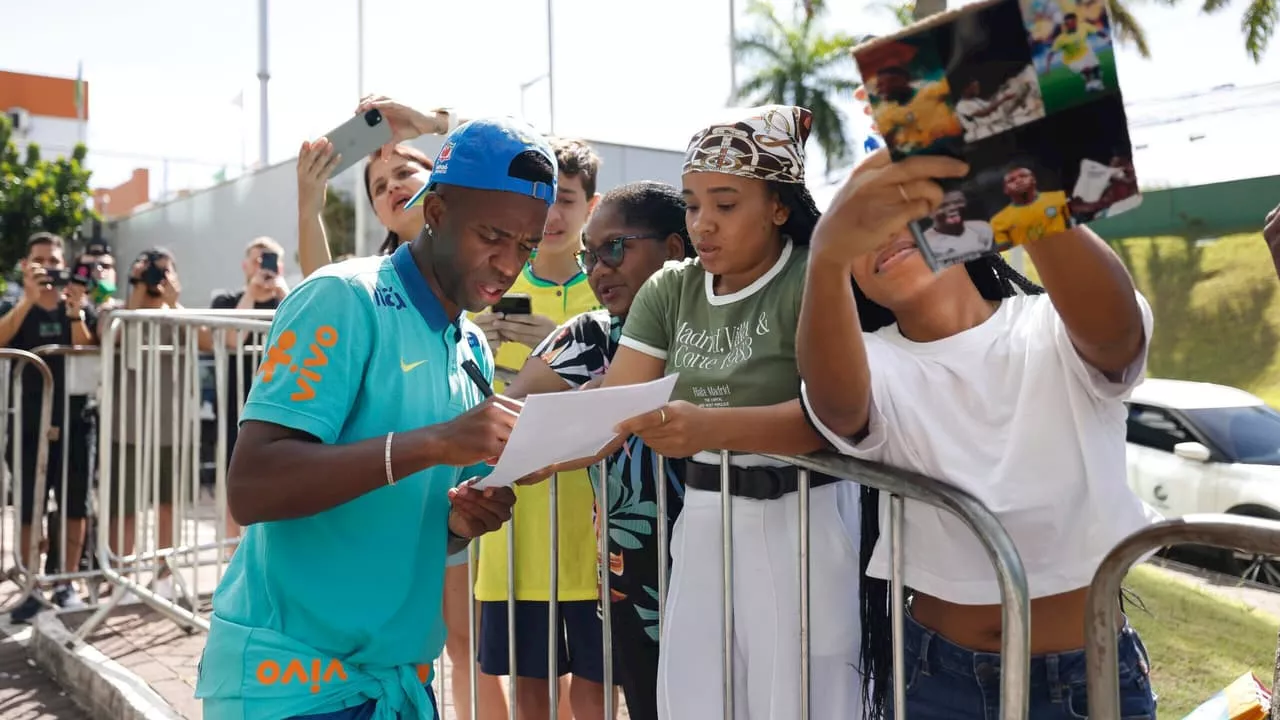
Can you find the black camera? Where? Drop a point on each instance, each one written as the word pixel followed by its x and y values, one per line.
pixel 58 277
pixel 153 274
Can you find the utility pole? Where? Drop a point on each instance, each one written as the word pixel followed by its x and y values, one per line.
pixel 361 206
pixel 551 72
pixel 263 77
pixel 733 58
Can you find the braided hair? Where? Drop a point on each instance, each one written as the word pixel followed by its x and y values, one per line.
pixel 804 212
pixel 995 280
pixel 655 206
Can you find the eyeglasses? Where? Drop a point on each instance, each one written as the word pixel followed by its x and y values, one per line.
pixel 611 253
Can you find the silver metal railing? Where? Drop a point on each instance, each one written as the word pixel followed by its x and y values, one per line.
pixel 1101 623
pixel 154 357
pixel 899 485
pixel 176 335
pixel 25 570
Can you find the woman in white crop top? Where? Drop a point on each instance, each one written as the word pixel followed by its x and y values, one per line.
pixel 976 376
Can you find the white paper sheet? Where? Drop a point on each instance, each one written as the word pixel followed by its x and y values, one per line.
pixel 558 427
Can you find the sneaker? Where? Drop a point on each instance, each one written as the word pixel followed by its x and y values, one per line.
pixel 27 610
pixel 66 597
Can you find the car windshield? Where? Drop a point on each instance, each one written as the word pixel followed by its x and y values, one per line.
pixel 1247 434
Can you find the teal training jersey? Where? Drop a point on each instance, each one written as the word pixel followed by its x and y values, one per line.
pixel 326 612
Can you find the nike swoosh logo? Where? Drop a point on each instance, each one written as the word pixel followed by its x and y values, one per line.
pixel 406 367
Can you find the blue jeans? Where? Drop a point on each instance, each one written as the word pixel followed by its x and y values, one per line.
pixel 948 682
pixel 365 711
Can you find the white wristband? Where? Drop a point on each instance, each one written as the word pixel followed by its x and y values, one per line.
pixel 391 476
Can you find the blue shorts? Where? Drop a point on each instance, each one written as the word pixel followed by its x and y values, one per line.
pixel 456 559
pixel 581 651
pixel 365 711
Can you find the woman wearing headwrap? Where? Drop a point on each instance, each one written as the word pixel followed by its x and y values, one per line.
pixel 726 323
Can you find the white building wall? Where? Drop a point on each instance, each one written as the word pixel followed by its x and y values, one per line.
pixel 208 230
pixel 55 136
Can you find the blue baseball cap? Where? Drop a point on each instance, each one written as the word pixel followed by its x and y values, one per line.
pixel 479 153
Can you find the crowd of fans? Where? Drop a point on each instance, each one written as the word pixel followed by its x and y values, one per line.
pixel 792 332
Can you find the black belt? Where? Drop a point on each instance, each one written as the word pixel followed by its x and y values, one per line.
pixel 756 483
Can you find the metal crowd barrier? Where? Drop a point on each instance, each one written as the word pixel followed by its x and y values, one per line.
pixel 25 570
pixel 147 340
pixel 1101 624
pixel 899 485
pixel 153 357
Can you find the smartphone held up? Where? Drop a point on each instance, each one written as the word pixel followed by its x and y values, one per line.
pixel 358 137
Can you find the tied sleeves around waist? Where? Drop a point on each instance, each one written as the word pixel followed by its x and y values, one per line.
pixel 260 674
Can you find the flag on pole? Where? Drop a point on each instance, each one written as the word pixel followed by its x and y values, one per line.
pixel 80 90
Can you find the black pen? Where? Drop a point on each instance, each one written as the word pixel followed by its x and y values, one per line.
pixel 477 377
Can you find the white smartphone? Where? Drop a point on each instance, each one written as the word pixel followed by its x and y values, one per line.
pixel 358 137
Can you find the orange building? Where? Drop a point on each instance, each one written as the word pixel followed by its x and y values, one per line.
pixel 53 112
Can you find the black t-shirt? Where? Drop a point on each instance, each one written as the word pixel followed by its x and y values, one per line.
pixel 229 301
pixel 46 327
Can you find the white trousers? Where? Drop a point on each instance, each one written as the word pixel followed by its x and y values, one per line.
pixel 766 608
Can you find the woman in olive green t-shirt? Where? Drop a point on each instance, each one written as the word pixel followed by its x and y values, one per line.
pixel 726 322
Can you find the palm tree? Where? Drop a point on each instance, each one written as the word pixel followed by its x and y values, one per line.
pixel 798 64
pixel 1258 24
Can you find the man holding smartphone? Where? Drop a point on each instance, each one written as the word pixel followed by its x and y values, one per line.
pixel 264 288
pixel 50 312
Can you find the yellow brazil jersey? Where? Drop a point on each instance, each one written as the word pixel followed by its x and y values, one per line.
pixel 1020 224
pixel 1093 11
pixel 925 119
pixel 576 500
pixel 1074 45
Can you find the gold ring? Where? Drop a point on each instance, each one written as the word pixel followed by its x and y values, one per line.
pixel 902 190
pixel 662 416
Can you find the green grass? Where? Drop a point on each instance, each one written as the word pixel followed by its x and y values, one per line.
pixel 1217 312
pixel 1198 641
pixel 1063 88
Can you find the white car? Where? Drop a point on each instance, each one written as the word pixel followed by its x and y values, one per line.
pixel 1203 448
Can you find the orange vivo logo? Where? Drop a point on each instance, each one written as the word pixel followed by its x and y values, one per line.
pixel 315 672
pixel 308 373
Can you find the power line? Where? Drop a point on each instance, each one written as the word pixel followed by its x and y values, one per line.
pixel 1137 125
pixel 1219 90
pixel 121 155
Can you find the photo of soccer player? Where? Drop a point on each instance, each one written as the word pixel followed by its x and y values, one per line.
pixel 955 233
pixel 910 97
pixel 1097 166
pixel 995 85
pixel 1076 61
pixel 1065 169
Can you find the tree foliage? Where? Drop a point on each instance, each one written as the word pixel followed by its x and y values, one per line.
pixel 38 195
pixel 796 63
pixel 339 217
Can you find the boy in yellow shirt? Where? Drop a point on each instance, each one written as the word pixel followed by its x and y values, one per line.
pixel 558 290
pixel 1072 44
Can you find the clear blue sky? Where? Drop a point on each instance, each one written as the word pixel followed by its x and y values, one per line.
pixel 164 74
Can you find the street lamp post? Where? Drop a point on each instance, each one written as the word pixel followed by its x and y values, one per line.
pixel 551 72
pixel 361 207
pixel 263 77
pixel 524 89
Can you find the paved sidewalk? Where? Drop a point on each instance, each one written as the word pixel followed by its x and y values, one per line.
pixel 158 651
pixel 26 691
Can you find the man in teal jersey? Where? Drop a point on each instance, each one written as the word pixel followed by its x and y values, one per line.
pixel 367 412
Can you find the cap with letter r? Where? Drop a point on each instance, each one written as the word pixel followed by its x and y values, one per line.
pixel 479 155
